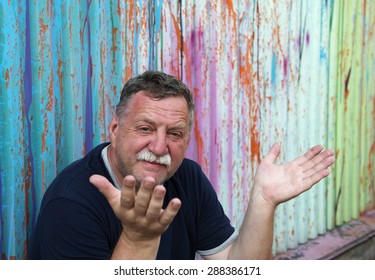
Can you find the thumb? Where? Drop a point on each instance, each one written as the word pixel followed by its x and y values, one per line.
pixel 273 153
pixel 111 193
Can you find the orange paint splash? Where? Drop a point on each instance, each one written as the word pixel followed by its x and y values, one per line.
pixel 175 63
pixel 248 77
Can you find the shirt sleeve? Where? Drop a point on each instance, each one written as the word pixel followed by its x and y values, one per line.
pixel 213 227
pixel 215 232
pixel 219 248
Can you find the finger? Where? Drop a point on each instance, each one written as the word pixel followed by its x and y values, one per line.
pixel 128 192
pixel 315 178
pixel 170 212
pixel 317 160
pixel 156 203
pixel 106 188
pixel 144 194
pixel 272 155
pixel 310 154
pixel 324 161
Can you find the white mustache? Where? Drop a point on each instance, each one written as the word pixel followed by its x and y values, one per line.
pixel 151 157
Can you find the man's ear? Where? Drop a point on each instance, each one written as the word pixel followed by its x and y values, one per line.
pixel 113 128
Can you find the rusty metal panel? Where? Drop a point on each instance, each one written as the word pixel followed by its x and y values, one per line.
pixel 294 72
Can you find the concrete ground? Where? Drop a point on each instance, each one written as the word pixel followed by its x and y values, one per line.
pixel 352 241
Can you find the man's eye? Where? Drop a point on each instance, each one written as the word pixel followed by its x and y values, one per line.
pixel 145 129
pixel 176 134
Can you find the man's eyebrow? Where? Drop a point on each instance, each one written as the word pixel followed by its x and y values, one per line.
pixel 147 120
pixel 144 118
pixel 180 125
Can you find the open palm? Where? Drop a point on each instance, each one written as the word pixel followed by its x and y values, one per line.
pixel 280 183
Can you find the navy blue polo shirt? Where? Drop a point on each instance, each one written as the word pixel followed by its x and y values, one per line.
pixel 77 222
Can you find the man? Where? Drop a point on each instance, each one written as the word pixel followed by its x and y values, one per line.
pixel 137 197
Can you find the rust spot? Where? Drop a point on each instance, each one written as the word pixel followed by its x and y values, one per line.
pixel 49 105
pixel 43 27
pixel 7 78
pixel 119 9
pixel 60 74
pixel 114 33
pixel 254 134
pixel 44 134
pixel 76 109
pixel 175 63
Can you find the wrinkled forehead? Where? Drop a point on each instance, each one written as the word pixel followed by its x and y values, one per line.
pixel 143 99
pixel 174 105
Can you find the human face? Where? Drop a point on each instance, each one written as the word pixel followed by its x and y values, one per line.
pixel 160 127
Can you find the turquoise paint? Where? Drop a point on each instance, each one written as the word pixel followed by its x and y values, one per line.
pixel 261 69
pixel 273 69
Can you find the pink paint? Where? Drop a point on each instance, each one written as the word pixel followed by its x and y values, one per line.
pixel 285 66
pixel 213 127
pixel 193 78
pixel 230 144
pixel 307 38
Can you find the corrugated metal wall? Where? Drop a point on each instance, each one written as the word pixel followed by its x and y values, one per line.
pixel 296 72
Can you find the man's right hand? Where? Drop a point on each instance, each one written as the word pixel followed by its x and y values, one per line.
pixel 141 214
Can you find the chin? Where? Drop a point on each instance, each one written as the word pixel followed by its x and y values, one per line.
pixel 159 180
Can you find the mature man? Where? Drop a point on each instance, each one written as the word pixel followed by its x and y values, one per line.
pixel 137 197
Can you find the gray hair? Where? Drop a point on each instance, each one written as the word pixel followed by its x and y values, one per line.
pixel 156 85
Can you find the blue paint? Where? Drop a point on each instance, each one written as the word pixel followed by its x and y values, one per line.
pixel 137 33
pixel 88 117
pixel 28 98
pixel 155 13
pixel 1 206
pixel 75 38
pixel 2 118
pixel 273 69
pixel 3 31
pixel 10 220
pixel 323 54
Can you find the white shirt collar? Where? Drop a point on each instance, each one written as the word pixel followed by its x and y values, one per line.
pixel 109 168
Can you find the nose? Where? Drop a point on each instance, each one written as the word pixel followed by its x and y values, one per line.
pixel 158 144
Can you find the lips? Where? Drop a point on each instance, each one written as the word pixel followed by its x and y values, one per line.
pixel 152 163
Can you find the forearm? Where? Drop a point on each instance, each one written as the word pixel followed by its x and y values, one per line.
pixel 255 238
pixel 275 184
pixel 141 250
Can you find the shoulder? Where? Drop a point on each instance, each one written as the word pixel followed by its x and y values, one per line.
pixel 73 181
pixel 192 181
pixel 191 175
pixel 91 162
pixel 188 168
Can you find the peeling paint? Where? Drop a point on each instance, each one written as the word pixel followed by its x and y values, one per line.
pixel 293 72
